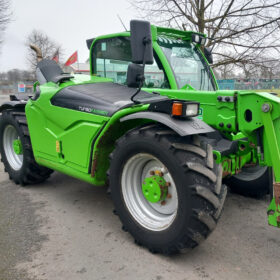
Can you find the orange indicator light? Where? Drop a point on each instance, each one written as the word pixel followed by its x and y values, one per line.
pixel 177 109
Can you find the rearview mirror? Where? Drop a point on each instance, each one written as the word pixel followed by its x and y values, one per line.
pixel 135 75
pixel 141 42
pixel 208 54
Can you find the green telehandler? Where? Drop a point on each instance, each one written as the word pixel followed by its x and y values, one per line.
pixel 151 122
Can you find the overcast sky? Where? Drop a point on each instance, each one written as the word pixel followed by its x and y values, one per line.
pixel 68 22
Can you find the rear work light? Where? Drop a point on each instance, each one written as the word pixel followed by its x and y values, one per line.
pixel 199 39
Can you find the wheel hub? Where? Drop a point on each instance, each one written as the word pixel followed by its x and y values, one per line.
pixel 17 147
pixel 157 212
pixel 155 188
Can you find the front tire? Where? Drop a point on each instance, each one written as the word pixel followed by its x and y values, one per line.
pixel 252 182
pixel 195 196
pixel 16 150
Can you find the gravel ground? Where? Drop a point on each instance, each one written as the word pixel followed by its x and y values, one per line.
pixel 65 229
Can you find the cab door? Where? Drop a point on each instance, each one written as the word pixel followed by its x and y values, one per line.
pixel 111 57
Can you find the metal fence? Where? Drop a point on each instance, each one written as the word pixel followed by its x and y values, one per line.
pixel 243 84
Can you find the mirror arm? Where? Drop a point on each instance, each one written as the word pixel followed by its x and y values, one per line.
pixel 138 90
pixel 141 78
pixel 146 41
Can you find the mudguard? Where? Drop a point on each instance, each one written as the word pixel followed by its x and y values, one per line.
pixel 18 104
pixel 183 127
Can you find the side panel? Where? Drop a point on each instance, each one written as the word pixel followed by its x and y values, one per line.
pixel 60 135
pixel 65 139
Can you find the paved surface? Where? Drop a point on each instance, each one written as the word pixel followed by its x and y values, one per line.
pixel 65 229
pixel 3 98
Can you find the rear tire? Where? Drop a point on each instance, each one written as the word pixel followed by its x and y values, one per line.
pixel 22 168
pixel 252 182
pixel 195 184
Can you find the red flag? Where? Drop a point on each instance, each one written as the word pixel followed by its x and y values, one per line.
pixel 56 57
pixel 72 59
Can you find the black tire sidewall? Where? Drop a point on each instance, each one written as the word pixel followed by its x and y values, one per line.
pixel 254 188
pixel 176 229
pixel 7 119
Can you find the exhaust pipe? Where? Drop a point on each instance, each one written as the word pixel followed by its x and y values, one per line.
pixel 38 52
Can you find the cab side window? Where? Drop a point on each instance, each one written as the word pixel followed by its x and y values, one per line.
pixel 111 58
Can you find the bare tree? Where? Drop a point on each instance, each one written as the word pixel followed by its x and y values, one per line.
pixel 48 47
pixel 17 75
pixel 5 16
pixel 240 31
pixel 225 71
pixel 269 70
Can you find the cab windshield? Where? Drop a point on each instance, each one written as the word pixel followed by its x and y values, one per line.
pixel 188 65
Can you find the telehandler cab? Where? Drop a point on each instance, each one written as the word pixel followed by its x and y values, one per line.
pixel 163 136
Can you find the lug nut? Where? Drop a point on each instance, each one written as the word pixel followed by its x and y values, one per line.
pixel 159 173
pixel 167 184
pixel 163 202
pixel 152 173
pixel 169 195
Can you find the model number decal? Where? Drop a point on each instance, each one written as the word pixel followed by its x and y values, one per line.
pixel 92 110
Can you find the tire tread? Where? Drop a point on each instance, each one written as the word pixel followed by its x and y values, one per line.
pixel 209 197
pixel 32 172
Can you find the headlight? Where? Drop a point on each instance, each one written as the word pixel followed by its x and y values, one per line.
pixel 176 108
pixel 185 109
pixel 192 110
